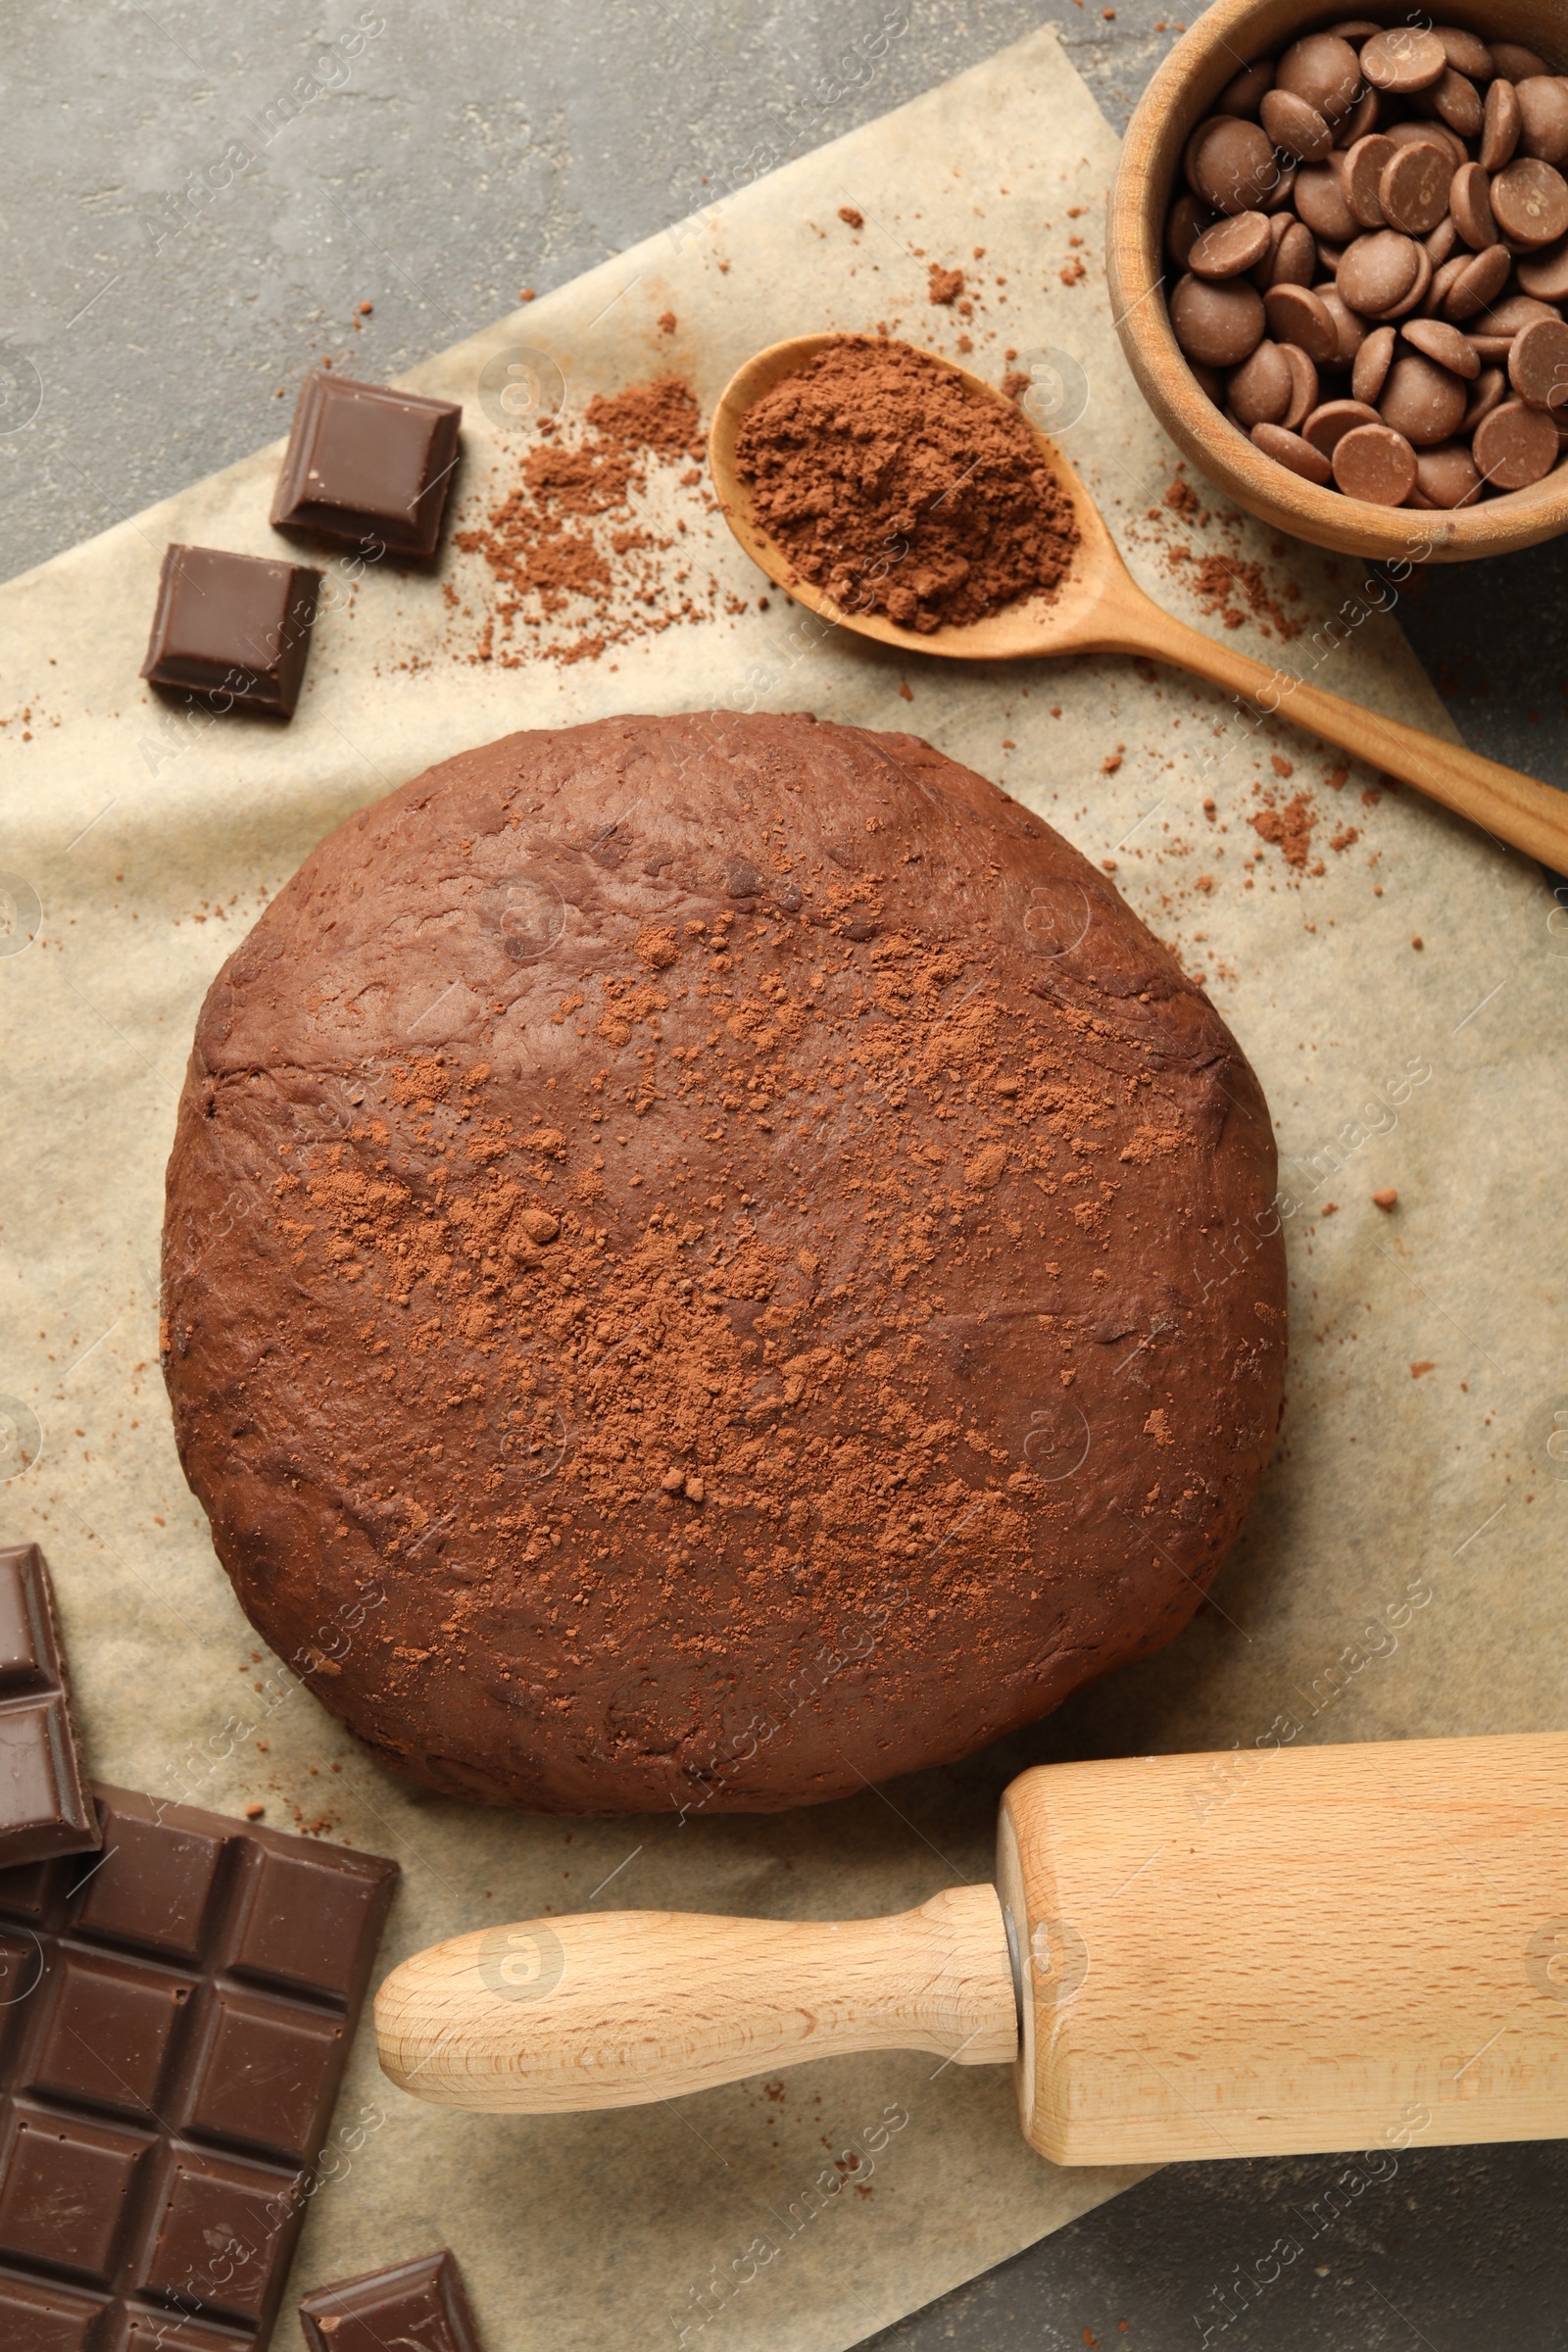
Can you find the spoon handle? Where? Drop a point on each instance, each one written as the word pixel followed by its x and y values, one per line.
pixel 1518 810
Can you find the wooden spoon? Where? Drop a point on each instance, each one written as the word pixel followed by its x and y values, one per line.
pixel 1100 609
pixel 1248 1954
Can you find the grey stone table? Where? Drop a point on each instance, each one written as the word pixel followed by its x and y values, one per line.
pixel 163 297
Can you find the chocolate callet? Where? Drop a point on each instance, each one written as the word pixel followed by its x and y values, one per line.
pixel 900 488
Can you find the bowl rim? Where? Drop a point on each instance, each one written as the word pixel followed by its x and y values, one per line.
pixel 1189 77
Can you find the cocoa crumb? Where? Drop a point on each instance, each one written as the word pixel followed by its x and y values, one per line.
pixel 945 285
pixel 851 217
pixel 1290 828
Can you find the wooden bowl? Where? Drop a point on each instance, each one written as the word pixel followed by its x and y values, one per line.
pixel 1228 35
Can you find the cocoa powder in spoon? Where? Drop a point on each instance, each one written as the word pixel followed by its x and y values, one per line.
pixel 896 487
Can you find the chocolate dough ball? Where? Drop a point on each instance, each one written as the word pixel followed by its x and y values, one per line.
pixel 711 1260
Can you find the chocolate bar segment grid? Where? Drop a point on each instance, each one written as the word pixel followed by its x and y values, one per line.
pixel 176 2015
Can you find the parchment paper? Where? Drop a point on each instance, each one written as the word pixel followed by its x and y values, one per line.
pixel 1417 1491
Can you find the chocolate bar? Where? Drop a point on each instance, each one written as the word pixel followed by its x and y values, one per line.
pixel 176 2015
pixel 232 631
pixel 367 463
pixel 415 2303
pixel 45 1806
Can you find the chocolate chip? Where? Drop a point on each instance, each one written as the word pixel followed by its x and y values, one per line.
pixel 1351 327
pixel 1232 164
pixel 1288 449
pixel 1303 386
pixel 1545 274
pixel 1261 388
pixel 1500 125
pixel 1438 243
pixel 1320 201
pixel 1378 273
pixel 1512 316
pixel 1530 202
pixel 1404 60
pixel 1471 207
pixel 1478 284
pixel 1423 402
pixel 1291 123
pixel 1466 52
pixel 1328 426
pixel 1322 69
pixel 1444 281
pixel 1436 341
pixel 1361 176
pixel 1516 445
pixel 1377 465
pixel 1489 392
pixel 1372 363
pixel 1543 116
pixel 1538 365
pixel 1429 135
pixel 1447 476
pixel 1231 247
pixel 1294 261
pixel 1413 190
pixel 741 879
pixel 1297 315
pixel 1217 323
pixel 1458 102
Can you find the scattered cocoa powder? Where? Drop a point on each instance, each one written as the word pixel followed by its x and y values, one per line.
pixel 851 217
pixel 568 543
pixel 891 484
pixel 946 284
pixel 1217 580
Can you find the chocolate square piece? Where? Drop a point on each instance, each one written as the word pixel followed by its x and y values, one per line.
pixel 65 2187
pixel 370 465
pixel 418 2303
pixel 260 2073
pixel 45 1806
pixel 109 2033
pixel 159 2115
pixel 45 2318
pixel 234 631
pixel 215 2225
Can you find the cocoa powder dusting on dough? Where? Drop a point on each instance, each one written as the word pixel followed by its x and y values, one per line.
pixel 811 1304
pixel 889 483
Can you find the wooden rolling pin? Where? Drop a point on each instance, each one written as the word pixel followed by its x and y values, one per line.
pixel 1262 1953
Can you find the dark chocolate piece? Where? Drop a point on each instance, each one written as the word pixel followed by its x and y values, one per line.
pixel 176 2015
pixel 232 630
pixel 367 463
pixel 45 1806
pixel 420 2304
